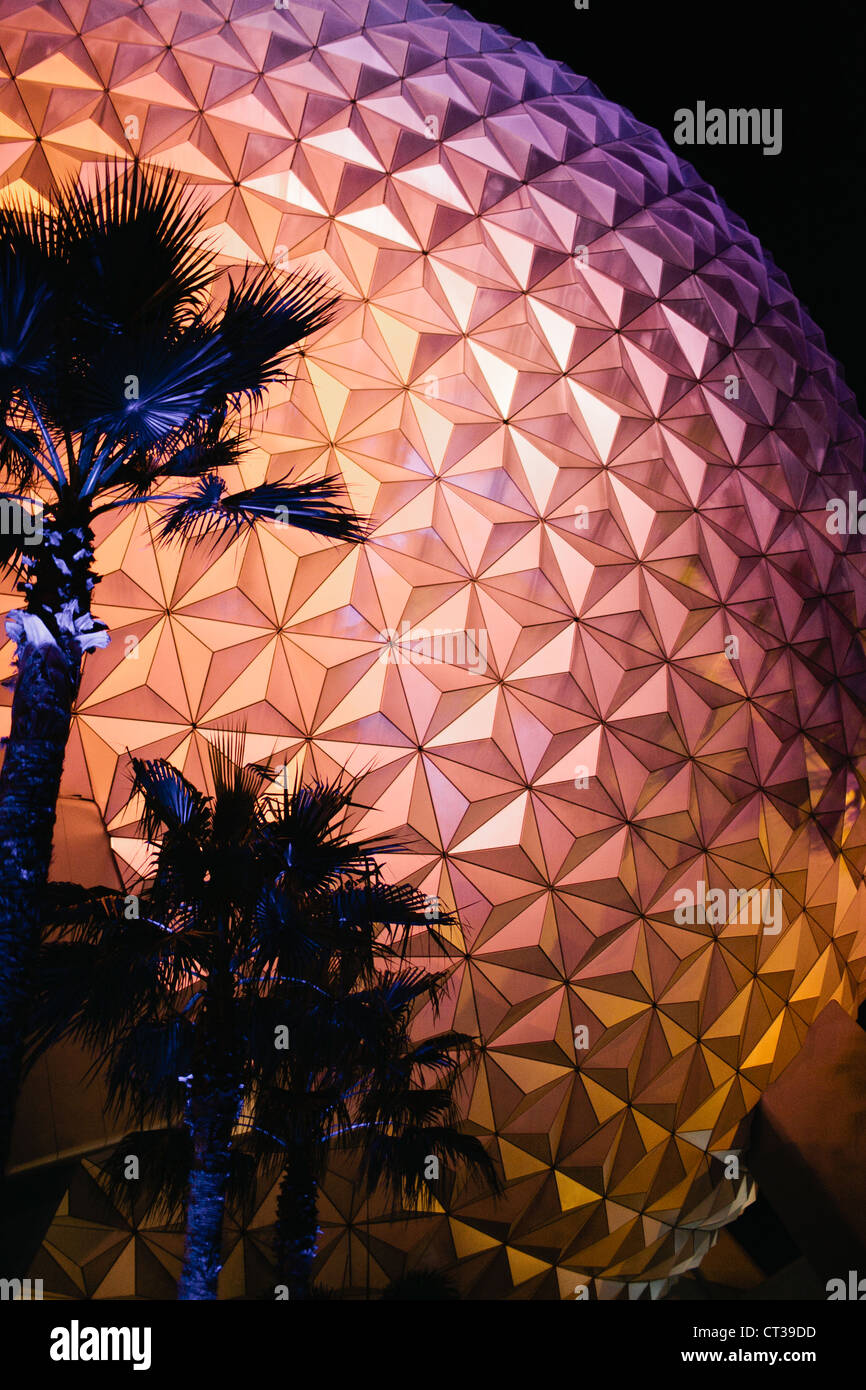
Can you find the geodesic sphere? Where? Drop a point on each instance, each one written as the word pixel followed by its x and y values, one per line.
pixel 601 653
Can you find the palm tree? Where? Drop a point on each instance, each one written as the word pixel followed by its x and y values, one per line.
pixel 264 922
pixel 118 372
pixel 388 1099
pixel 393 1120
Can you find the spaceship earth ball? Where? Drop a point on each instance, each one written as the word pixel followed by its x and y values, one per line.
pixel 600 647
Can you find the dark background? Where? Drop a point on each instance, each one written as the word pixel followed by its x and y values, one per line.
pixel 806 204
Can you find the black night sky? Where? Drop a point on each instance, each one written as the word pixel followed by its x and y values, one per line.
pixel 805 204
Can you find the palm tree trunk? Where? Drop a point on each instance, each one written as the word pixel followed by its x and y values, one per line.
pixel 49 657
pixel 297 1229
pixel 211 1119
pixel 29 786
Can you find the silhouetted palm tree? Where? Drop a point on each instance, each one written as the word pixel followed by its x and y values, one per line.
pixel 390 1100
pixel 395 1098
pixel 119 371
pixel 254 999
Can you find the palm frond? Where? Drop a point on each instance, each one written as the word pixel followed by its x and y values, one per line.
pixel 170 800
pixel 134 250
pixel 245 1169
pixel 19 447
pixel 105 975
pixel 141 385
pixel 299 1114
pixel 141 389
pixel 396 992
pixel 263 318
pixel 318 507
pixel 309 823
pixel 144 1066
pixel 205 446
pixel 288 931
pixel 72 905
pixel 163 1158
pixel 394 905
pixel 234 781
pixel 28 298
pixel 397 1162
pixel 57 1005
pixel 445 1052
